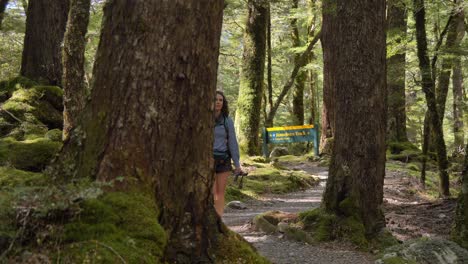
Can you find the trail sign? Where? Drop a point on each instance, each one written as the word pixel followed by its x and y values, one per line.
pixel 290 134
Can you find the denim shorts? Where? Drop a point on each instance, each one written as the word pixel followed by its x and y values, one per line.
pixel 223 165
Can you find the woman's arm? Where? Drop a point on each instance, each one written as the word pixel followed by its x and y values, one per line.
pixel 232 142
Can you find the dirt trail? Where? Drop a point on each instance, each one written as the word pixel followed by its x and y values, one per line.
pixel 408 215
pixel 279 249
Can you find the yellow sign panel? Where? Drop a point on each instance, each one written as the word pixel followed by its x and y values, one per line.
pixel 290 128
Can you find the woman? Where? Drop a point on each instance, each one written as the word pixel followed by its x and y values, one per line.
pixel 225 148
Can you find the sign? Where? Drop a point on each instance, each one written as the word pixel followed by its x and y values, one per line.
pixel 290 134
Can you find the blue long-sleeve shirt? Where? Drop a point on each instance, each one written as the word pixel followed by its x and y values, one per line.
pixel 222 141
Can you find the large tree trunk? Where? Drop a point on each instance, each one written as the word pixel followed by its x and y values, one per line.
pixel 298 94
pixel 396 23
pixel 269 98
pixel 461 216
pixel 428 87
pixel 457 82
pixel 152 96
pixel 251 78
pixel 354 52
pixel 3 4
pixel 42 53
pixel 74 96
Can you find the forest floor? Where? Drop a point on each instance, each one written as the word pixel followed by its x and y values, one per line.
pixel 408 212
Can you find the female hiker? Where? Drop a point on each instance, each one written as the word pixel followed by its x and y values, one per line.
pixel 225 148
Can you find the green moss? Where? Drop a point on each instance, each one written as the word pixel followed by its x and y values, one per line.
pixel 414 167
pixel 54 135
pixel 232 248
pixel 319 223
pixel 349 207
pixel 384 240
pixel 236 194
pixel 10 177
pixel 292 158
pixel 353 229
pixel 126 223
pixel 324 226
pixel 31 155
pixel 43 102
pixel 397 147
pixel 406 156
pixel 8 87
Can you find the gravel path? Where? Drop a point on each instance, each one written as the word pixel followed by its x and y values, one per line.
pixel 281 250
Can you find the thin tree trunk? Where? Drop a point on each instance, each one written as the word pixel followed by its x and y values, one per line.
pixel 287 86
pixel 354 55
pixel 42 53
pixel 446 67
pixel 269 67
pixel 74 90
pixel 251 78
pixel 312 74
pixel 457 82
pixel 3 5
pixel 428 88
pixel 154 82
pixel 298 94
pixel 425 147
pixel 396 21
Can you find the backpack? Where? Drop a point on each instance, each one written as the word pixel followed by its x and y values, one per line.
pixel 218 155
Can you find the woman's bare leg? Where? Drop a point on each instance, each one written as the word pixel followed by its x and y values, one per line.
pixel 219 188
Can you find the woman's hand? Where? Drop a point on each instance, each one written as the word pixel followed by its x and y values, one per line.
pixel 238 170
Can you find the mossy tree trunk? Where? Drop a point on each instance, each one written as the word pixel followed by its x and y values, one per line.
pixel 396 32
pixel 152 96
pixel 251 87
pixel 74 91
pixel 460 231
pixel 329 46
pixel 446 67
pixel 354 51
pixel 428 87
pixel 269 100
pixel 42 52
pixel 3 4
pixel 457 82
pixel 298 92
pixel 312 73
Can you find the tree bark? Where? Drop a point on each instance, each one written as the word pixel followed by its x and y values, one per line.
pixel 461 214
pixel 457 82
pixel 396 24
pixel 298 94
pixel 152 96
pixel 312 74
pixel 269 66
pixel 42 53
pixel 252 78
pixel 3 5
pixel 354 56
pixel 446 67
pixel 74 90
pixel 428 87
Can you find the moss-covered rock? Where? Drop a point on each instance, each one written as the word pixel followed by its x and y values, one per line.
pixel 397 147
pixel 10 178
pixel 8 87
pixel 32 155
pixel 43 102
pixel 54 135
pixel 117 226
pixel 232 248
pixel 424 251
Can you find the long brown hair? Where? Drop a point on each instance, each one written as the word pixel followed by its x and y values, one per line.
pixel 225 108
